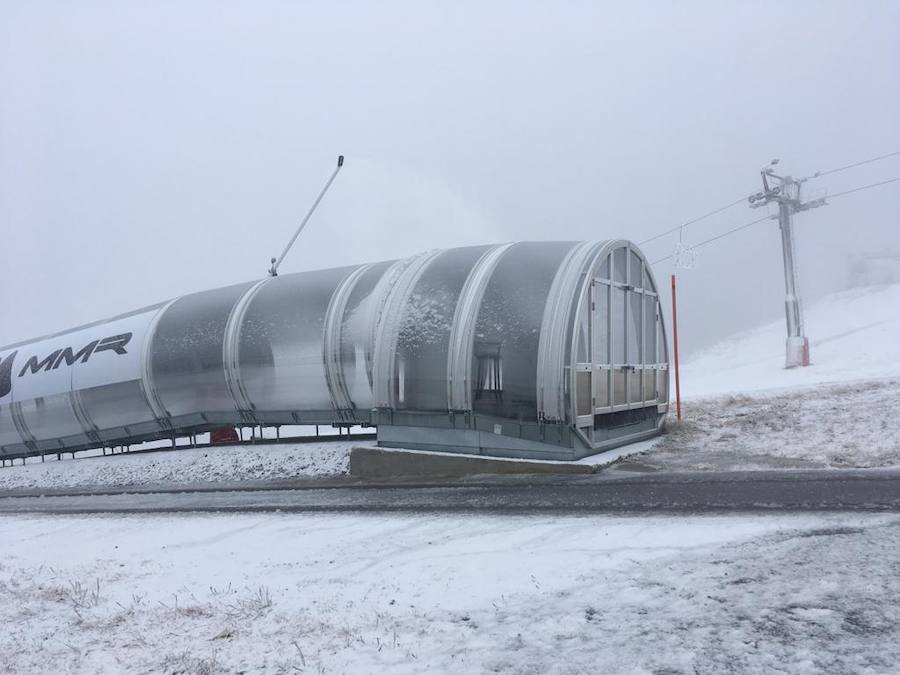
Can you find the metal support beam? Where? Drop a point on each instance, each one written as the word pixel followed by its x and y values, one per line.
pixel 273 270
pixel 786 193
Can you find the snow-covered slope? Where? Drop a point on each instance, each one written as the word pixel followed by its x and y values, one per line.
pixel 854 335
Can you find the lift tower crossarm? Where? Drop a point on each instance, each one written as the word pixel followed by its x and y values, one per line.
pixel 273 270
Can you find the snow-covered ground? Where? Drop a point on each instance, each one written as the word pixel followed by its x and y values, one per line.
pixel 285 593
pixel 828 426
pixel 264 461
pixel 280 593
pixel 744 410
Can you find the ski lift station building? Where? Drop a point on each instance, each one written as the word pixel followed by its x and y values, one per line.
pixel 552 350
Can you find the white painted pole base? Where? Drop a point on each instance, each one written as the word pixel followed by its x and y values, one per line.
pixel 796 352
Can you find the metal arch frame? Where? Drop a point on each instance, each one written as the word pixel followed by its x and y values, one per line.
pixel 580 302
pixel 645 264
pixel 83 420
pixel 18 439
pixel 462 329
pixel 331 340
pixel 80 411
pixel 231 349
pixel 147 385
pixel 387 330
pixel 29 440
pixel 661 339
pixel 555 328
pixel 374 312
pixel 596 261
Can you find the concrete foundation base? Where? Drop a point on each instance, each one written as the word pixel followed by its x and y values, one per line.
pixel 796 352
pixel 382 463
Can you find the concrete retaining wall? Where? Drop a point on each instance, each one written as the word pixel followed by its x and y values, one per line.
pixel 382 463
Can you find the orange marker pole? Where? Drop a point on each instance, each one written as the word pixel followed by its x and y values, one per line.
pixel 675 341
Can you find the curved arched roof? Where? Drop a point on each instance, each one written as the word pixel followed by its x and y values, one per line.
pixel 482 330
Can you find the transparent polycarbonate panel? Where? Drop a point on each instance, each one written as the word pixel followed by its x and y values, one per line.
pixel 620 261
pixel 186 353
pixel 9 435
pixel 51 417
pixel 358 334
pixel 634 275
pixel 604 268
pixel 617 325
pixel 583 347
pixel 280 350
pixel 601 323
pixel 425 325
pixel 583 398
pixel 633 330
pixel 602 389
pixel 635 395
pixel 115 405
pixel 650 329
pixel 661 349
pixel 618 386
pixel 583 339
pixel 649 385
pixel 509 325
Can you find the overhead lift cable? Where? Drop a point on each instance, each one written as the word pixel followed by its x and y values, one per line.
pixel 772 217
pixel 862 187
pixel 695 220
pixel 819 174
pixel 720 236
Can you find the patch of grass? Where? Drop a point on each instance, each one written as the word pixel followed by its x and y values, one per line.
pixel 81 595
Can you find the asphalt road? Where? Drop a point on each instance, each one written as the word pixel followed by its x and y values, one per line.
pixel 829 490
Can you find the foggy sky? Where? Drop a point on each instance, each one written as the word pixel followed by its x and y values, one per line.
pixel 148 150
